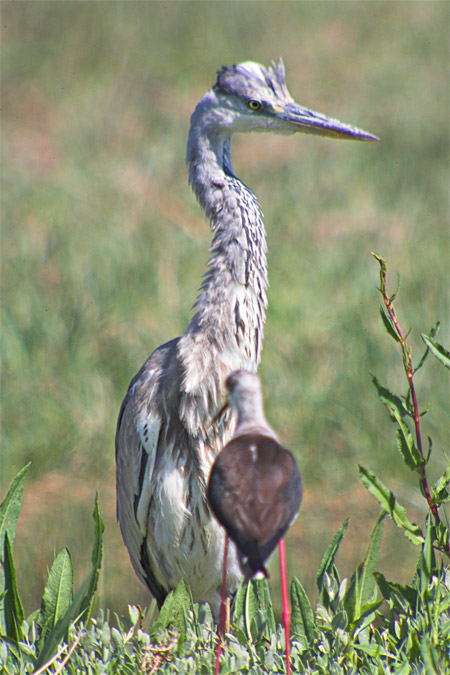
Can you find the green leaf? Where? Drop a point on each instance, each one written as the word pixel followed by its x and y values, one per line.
pixel 339 621
pixel 442 537
pixel 302 617
pixel 405 444
pixel 383 271
pixel 327 562
pixel 12 604
pixel 433 331
pixel 371 561
pixel 97 556
pixel 265 605
pixel 442 354
pixel 135 615
pixel 427 560
pixel 239 603
pixel 251 606
pixel 183 600
pixel 59 632
pixel 166 615
pixel 430 657
pixel 10 506
pixel 173 612
pixel 389 325
pixel 362 583
pixel 398 411
pixel 390 504
pixel 440 488
pixel 257 610
pixel 400 595
pixel 57 594
pixel 365 611
pixel 82 601
pixel 393 402
pixel 9 514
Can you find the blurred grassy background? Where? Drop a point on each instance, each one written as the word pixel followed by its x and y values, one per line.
pixel 104 246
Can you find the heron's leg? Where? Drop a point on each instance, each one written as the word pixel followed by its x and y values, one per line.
pixel 223 606
pixel 286 614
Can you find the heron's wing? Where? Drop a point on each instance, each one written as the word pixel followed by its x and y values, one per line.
pixel 137 439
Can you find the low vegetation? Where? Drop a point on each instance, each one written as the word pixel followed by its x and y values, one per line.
pixel 365 624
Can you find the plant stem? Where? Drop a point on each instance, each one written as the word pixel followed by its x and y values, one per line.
pixel 407 365
pixel 286 615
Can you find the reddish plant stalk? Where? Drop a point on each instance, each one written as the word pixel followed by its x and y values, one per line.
pixel 407 365
pixel 286 614
pixel 222 611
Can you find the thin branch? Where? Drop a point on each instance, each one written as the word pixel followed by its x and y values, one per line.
pixel 69 654
pixel 407 365
pixel 45 667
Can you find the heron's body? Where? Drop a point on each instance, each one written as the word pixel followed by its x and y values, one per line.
pixel 164 443
pixel 165 466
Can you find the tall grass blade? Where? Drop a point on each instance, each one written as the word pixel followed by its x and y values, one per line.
pixel 330 554
pixel 10 506
pixel 9 514
pixel 97 556
pixel 12 610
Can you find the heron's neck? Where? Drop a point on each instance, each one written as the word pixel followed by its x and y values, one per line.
pixel 227 328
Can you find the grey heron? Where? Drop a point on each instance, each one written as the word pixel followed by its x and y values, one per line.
pixel 165 445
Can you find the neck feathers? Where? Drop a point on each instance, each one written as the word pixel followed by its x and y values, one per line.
pixel 226 331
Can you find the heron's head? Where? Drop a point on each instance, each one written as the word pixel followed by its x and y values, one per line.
pixel 250 97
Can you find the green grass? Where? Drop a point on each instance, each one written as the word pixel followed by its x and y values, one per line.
pixel 104 247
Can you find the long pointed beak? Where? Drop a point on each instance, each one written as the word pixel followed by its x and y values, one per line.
pixel 218 415
pixel 311 122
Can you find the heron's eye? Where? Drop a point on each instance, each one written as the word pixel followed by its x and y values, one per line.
pixel 254 104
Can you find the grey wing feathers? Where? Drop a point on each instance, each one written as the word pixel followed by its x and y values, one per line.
pixel 140 428
pixel 137 439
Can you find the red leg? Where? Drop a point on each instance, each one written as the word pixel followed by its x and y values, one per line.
pixel 223 609
pixel 286 614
